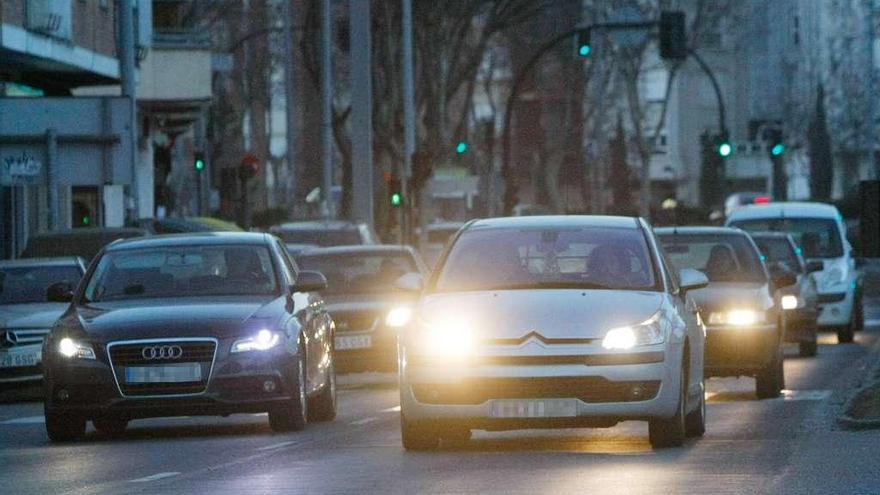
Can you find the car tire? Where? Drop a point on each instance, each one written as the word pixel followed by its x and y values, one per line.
pixel 670 432
pixel 62 427
pixel 416 436
pixel 695 421
pixel 845 334
pixel 322 407
pixel 808 348
pixel 858 314
pixel 111 427
pixel 771 380
pixel 292 414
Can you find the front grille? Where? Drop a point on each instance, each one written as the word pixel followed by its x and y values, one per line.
pixel 588 389
pixel 831 298
pixel 355 322
pixel 127 354
pixel 10 338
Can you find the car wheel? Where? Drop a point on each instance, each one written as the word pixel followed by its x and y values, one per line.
pixel 323 406
pixel 771 380
pixel 64 427
pixel 695 421
pixel 670 432
pixel 292 414
pixel 808 348
pixel 858 317
pixel 417 436
pixel 845 334
pixel 111 427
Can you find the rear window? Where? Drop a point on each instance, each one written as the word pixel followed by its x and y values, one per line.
pixel 353 273
pixel 778 251
pixel 28 284
pixel 723 258
pixel 321 237
pixel 817 237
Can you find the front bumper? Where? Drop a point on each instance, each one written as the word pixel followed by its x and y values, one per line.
pixel 835 308
pixel 380 355
pixel 602 394
pixel 800 324
pixel 22 374
pixel 734 351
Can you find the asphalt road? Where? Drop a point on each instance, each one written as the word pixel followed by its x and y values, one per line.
pixel 785 445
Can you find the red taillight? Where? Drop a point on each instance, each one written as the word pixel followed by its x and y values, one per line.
pixel 762 200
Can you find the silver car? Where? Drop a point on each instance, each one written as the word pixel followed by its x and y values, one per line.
pixel 545 322
pixel 27 312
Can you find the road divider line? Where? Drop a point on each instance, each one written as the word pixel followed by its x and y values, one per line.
pixel 155 477
pixel 30 420
pixel 363 421
pixel 275 446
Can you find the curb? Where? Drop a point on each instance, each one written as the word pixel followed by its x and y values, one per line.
pixel 846 420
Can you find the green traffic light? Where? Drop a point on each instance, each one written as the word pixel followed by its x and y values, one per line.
pixel 86 220
pixel 461 148
pixel 199 165
pixel 725 149
pixel 584 50
pixel 777 149
pixel 396 199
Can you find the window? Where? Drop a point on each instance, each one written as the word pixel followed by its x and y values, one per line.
pixel 723 258
pixel 355 273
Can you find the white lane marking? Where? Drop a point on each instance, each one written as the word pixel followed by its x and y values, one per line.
pixel 392 409
pixel 157 476
pixel 275 446
pixel 363 421
pixel 260 414
pixel 805 394
pixel 30 420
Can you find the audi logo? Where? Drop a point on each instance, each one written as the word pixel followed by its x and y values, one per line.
pixel 162 352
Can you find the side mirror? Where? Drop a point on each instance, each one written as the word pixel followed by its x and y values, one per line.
pixel 814 266
pixel 782 277
pixel 691 279
pixel 61 292
pixel 411 282
pixel 308 281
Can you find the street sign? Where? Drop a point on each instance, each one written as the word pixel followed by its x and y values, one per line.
pixel 19 168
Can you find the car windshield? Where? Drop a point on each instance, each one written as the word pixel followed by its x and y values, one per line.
pixel 29 284
pixel 353 273
pixel 722 257
pixel 817 237
pixel 183 271
pixel 778 251
pixel 584 257
pixel 321 237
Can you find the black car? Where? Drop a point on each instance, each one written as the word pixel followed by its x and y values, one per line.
pixel 744 325
pixel 363 301
pixel 200 324
pixel 799 302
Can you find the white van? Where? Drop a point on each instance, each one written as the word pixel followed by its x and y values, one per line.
pixel 820 233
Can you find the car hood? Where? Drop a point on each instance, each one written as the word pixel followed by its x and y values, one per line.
pixel 161 318
pixel 720 296
pixel 551 313
pixel 33 315
pixel 348 303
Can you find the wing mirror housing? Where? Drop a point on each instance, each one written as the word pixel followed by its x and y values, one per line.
pixel 690 279
pixel 814 266
pixel 411 282
pixel 308 281
pixel 61 292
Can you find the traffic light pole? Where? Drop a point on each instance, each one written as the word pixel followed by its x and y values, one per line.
pixel 722 120
pixel 361 111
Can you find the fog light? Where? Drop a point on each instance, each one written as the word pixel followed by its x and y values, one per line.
pixel 637 391
pixel 269 386
pixel 63 394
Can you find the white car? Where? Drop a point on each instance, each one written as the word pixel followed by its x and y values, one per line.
pixel 820 233
pixel 543 322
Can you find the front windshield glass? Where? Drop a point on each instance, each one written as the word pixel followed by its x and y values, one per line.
pixel 817 237
pixel 321 237
pixel 778 251
pixel 352 273
pixel 29 284
pixel 183 271
pixel 577 257
pixel 723 258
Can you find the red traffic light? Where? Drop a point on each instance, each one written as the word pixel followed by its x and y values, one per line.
pixel 249 167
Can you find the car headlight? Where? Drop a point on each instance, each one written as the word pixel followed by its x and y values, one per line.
pixel 645 333
pixel 262 341
pixel 70 348
pixel 448 340
pixel 737 317
pixel 789 301
pixel 398 317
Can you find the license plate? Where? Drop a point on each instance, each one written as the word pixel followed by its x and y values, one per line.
pixel 19 360
pixel 543 408
pixel 347 342
pixel 166 373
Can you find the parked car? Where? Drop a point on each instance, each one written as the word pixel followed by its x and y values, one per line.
pixel 186 225
pixel 208 324
pixel 560 321
pixel 84 243
pixel 435 238
pixel 820 233
pixel 27 314
pixel 325 234
pixel 799 302
pixel 362 299
pixel 744 325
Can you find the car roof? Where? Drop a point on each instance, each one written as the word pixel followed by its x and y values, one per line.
pixel 556 221
pixel 316 225
pixel 195 239
pixel 444 226
pixel 59 261
pixel 698 230
pixel 359 249
pixel 787 209
pixel 93 231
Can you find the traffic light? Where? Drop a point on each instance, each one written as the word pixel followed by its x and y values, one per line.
pixel 775 143
pixel 725 149
pixel 461 148
pixel 249 167
pixel 583 45
pixel 395 193
pixel 199 161
pixel 673 39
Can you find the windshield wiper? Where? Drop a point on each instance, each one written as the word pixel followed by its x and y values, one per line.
pixel 551 285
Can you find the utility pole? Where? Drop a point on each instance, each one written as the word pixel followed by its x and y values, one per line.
pixel 409 115
pixel 289 105
pixel 125 49
pixel 327 109
pixel 361 111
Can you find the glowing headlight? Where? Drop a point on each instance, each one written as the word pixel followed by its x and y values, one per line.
pixel 70 348
pixel 737 317
pixel 451 340
pixel 398 317
pixel 645 333
pixel 789 301
pixel 263 340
